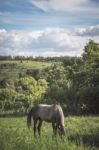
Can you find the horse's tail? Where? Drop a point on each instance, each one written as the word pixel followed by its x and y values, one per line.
pixel 29 118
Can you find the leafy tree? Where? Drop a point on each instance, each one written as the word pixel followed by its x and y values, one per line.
pixel 91 51
pixel 34 90
pixel 89 85
pixel 7 98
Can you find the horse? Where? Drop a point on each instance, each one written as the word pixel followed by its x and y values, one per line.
pixel 48 113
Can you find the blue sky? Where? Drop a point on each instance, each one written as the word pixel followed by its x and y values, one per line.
pixel 47 27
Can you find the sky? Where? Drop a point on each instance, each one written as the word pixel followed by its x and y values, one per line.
pixel 47 28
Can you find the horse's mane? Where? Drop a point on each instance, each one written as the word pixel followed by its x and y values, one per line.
pixel 60 113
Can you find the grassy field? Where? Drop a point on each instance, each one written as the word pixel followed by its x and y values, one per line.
pixel 12 69
pixel 82 133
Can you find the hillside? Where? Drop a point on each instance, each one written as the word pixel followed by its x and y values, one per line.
pixel 12 69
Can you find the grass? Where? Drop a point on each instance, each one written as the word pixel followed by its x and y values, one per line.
pixel 10 72
pixel 82 133
pixel 27 64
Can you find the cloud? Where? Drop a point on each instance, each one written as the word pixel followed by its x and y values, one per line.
pixel 57 5
pixel 78 11
pixel 88 31
pixel 59 39
pixel 45 42
pixel 71 6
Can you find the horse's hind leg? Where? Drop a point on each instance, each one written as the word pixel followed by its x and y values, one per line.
pixel 39 127
pixel 35 123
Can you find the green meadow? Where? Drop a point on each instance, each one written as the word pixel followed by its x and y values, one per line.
pixel 82 133
pixel 12 69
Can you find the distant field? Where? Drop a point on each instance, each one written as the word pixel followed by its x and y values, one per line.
pixel 12 69
pixel 82 133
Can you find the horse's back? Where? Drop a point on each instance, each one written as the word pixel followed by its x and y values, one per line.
pixel 45 112
pixel 49 112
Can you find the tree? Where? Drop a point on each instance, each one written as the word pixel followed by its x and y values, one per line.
pixel 89 88
pixel 91 51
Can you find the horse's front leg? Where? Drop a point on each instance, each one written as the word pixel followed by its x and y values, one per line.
pixel 39 127
pixel 54 128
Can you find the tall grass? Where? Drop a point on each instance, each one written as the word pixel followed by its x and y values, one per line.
pixel 82 133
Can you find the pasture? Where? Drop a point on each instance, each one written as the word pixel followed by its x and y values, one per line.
pixel 12 69
pixel 82 133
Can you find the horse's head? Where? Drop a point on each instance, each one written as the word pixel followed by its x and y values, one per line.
pixel 61 130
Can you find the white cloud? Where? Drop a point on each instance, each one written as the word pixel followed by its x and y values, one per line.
pixel 58 5
pixel 88 31
pixel 46 42
pixel 87 7
pixel 69 11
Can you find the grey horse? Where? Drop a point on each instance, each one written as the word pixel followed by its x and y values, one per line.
pixel 49 113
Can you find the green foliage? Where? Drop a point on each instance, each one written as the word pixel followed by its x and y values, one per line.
pixel 56 74
pixel 27 92
pixel 34 72
pixel 91 51
pixel 26 82
pixel 86 80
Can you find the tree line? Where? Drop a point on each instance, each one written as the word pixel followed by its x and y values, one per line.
pixel 70 60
